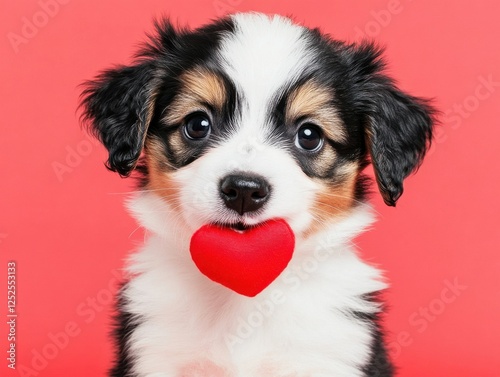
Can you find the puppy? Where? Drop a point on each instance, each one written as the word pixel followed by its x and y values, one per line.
pixel 248 119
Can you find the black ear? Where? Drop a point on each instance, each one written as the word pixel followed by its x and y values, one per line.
pixel 398 126
pixel 118 106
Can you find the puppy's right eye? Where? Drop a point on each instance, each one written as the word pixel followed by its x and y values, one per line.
pixel 309 138
pixel 197 126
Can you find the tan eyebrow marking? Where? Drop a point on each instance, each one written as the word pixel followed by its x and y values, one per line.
pixel 314 101
pixel 160 173
pixel 199 87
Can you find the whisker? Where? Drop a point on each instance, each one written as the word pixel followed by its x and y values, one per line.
pixel 142 190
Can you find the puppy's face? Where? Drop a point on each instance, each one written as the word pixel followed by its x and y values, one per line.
pixel 253 118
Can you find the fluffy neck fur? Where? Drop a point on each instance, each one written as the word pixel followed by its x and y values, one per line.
pixel 304 323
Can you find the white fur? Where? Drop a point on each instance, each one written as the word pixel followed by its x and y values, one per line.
pixel 263 55
pixel 298 326
pixel 188 318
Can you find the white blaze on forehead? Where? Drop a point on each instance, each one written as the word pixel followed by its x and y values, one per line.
pixel 262 55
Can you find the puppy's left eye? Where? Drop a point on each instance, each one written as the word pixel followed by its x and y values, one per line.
pixel 309 137
pixel 197 126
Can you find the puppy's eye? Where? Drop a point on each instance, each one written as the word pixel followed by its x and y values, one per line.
pixel 309 137
pixel 197 126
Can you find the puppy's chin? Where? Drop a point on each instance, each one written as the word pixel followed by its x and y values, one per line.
pixel 232 220
pixel 242 225
pixel 239 226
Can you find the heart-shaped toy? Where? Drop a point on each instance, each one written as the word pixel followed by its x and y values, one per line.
pixel 244 261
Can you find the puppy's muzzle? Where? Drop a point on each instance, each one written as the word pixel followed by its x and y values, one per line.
pixel 244 193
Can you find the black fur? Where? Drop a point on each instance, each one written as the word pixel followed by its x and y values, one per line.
pixel 125 324
pixel 379 364
pixel 398 127
pixel 117 104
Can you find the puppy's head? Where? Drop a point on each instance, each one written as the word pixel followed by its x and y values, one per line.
pixel 253 117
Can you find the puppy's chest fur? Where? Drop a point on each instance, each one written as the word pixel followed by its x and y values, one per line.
pixel 309 322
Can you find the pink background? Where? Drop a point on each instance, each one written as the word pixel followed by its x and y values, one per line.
pixel 62 218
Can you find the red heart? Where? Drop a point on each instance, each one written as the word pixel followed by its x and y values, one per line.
pixel 246 262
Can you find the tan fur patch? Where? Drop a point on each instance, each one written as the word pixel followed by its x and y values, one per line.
pixel 175 143
pixel 334 200
pixel 324 161
pixel 200 87
pixel 313 101
pixel 159 171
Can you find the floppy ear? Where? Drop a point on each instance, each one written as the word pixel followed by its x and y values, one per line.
pixel 118 105
pixel 398 126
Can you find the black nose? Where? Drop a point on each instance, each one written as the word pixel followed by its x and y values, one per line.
pixel 244 193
